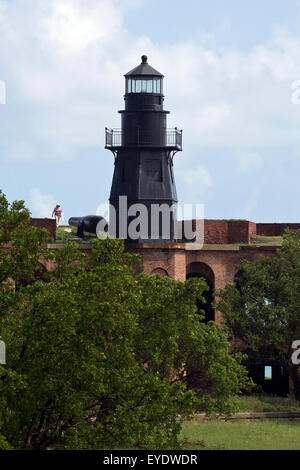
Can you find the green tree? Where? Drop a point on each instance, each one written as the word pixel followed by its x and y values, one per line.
pixel 262 309
pixel 96 354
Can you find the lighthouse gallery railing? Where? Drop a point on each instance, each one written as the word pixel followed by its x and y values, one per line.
pixel 173 138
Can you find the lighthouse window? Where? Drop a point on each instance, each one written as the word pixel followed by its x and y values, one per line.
pixel 149 85
pixel 156 85
pixel 138 86
pixel 144 86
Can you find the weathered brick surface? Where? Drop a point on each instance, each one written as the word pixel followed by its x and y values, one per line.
pixel 222 262
pixel 49 224
pixel 170 258
pixel 252 230
pixel 216 232
pixel 275 230
pixel 241 231
pixel 221 232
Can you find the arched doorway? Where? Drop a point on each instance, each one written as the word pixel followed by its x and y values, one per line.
pixel 160 271
pixel 203 270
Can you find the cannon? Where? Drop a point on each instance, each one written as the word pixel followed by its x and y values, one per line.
pixel 87 224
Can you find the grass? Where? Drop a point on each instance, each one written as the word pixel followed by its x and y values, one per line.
pixel 63 236
pixel 241 435
pixel 257 403
pixel 261 240
pixel 257 241
pixel 246 434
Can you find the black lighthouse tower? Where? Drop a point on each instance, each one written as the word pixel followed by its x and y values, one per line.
pixel 144 149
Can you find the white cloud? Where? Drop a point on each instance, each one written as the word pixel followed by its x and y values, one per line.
pixel 75 24
pixel 248 161
pixel 41 205
pixel 21 151
pixel 197 180
pixel 248 211
pixel 66 60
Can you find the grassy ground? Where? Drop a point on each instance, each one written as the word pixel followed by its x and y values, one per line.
pixel 261 240
pixel 275 434
pixel 256 403
pixel 258 240
pixel 63 235
pixel 242 435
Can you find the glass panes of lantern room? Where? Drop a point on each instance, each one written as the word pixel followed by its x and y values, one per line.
pixel 145 85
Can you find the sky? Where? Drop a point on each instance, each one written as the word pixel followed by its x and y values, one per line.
pixel 232 83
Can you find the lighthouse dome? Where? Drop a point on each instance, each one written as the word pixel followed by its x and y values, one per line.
pixel 144 79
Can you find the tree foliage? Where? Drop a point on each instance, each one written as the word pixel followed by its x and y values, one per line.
pixel 262 309
pixel 97 355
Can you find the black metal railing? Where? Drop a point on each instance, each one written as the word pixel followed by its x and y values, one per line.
pixel 171 138
pixel 174 138
pixel 113 137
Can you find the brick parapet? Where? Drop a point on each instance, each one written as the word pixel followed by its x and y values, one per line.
pixel 216 232
pixel 48 224
pixel 275 229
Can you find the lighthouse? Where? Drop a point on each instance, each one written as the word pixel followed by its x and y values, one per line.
pixel 143 195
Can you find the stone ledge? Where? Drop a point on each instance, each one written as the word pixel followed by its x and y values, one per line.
pixel 159 246
pixel 190 247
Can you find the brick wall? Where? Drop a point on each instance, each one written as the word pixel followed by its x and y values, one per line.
pixel 49 224
pixel 169 258
pixel 222 232
pixel 275 230
pixel 241 231
pixel 216 232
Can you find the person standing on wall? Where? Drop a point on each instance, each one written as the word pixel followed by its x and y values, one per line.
pixel 57 212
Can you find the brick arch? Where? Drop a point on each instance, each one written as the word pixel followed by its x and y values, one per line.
pixel 200 269
pixel 160 271
pixel 203 270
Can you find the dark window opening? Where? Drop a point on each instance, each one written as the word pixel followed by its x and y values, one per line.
pixel 205 308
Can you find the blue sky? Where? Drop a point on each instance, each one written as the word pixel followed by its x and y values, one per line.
pixel 229 67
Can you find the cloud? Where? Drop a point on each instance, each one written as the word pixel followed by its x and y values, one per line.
pixel 248 161
pixel 248 211
pixel 197 180
pixel 75 24
pixel 21 150
pixel 63 63
pixel 41 205
pixel 69 57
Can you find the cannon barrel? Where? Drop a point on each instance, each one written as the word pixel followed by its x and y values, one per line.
pixel 87 224
pixel 75 221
